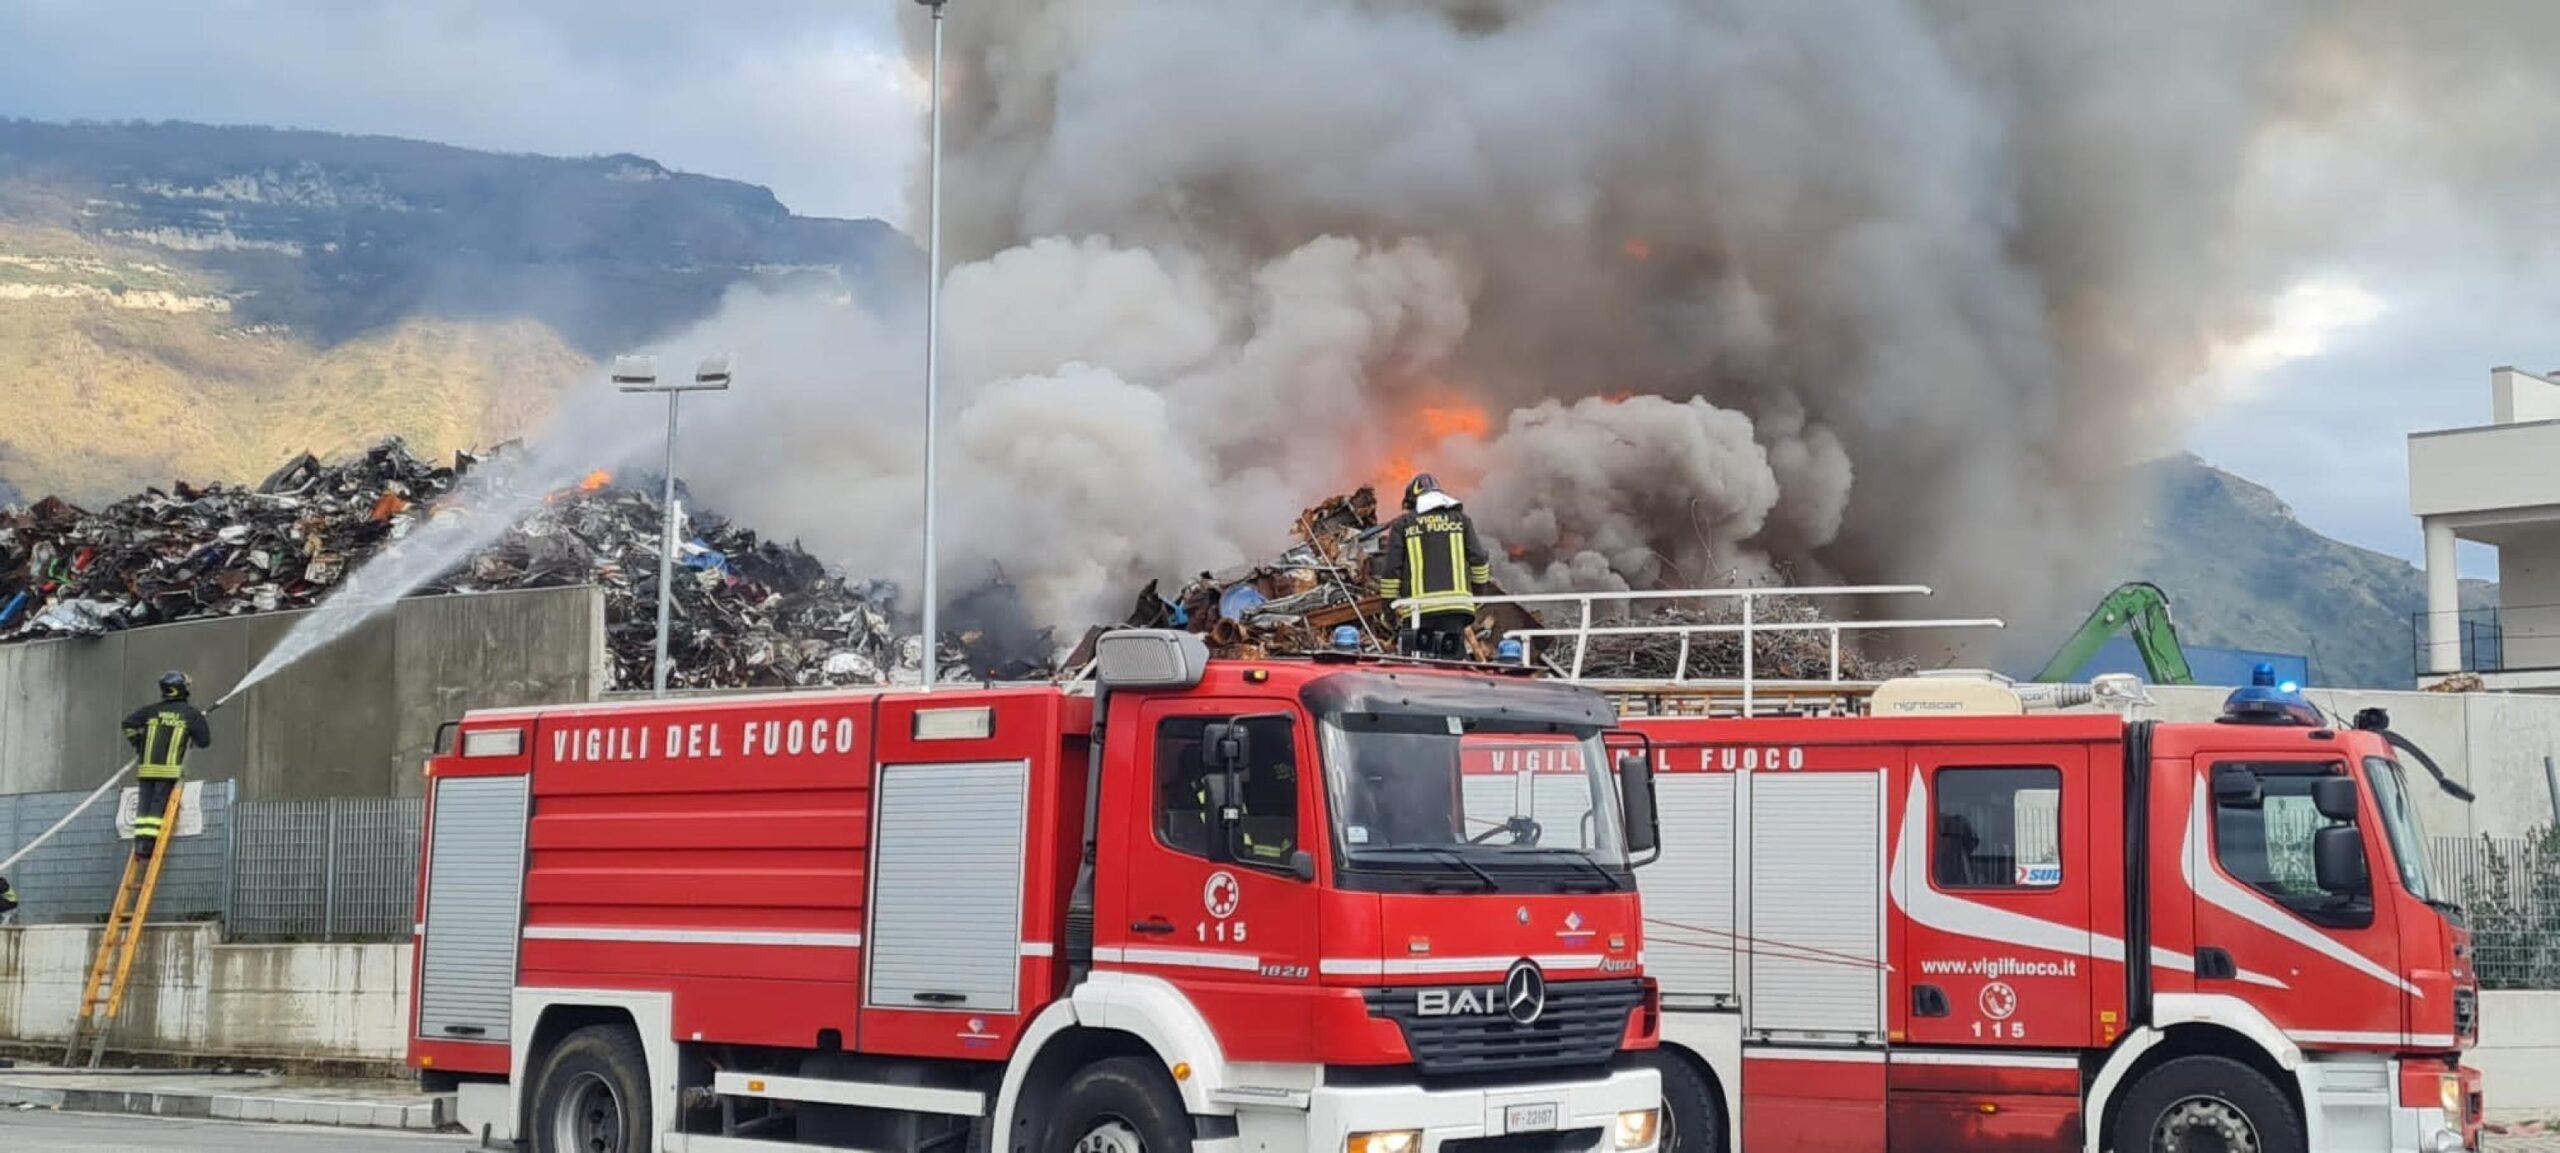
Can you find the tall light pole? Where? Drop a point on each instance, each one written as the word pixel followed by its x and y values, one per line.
pixel 640 374
pixel 933 363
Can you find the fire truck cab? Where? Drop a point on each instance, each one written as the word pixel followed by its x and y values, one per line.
pixel 1954 929
pixel 1332 906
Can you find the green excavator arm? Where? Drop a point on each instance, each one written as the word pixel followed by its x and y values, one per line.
pixel 2140 609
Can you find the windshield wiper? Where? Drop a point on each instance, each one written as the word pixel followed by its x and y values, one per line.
pixel 1578 857
pixel 1445 853
pixel 2404 744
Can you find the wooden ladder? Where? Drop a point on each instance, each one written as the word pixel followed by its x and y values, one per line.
pixel 104 992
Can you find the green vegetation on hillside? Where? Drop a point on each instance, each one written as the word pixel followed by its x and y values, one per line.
pixel 184 300
pixel 338 236
pixel 119 377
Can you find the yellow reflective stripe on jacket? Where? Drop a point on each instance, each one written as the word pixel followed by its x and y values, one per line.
pixel 1425 598
pixel 164 747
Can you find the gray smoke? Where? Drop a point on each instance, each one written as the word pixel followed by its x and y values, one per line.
pixel 1672 291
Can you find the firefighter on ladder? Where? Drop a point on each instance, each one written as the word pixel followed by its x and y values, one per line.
pixel 1432 556
pixel 161 733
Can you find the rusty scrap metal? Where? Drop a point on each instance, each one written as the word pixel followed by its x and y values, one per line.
pixel 749 611
pixel 1325 581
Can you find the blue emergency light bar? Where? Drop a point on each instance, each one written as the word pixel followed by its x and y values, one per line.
pixel 2264 701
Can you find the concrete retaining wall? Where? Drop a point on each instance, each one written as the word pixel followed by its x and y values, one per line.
pixel 191 993
pixel 2519 1055
pixel 352 720
pixel 2493 743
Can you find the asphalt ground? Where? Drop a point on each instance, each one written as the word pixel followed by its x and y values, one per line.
pixel 30 1131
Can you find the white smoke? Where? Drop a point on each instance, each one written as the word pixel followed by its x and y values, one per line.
pixel 1111 412
pixel 1822 288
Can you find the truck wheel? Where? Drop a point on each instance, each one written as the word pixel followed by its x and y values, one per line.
pixel 1692 1110
pixel 2206 1105
pixel 1118 1106
pixel 593 1095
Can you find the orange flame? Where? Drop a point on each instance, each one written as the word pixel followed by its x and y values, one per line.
pixel 1417 441
pixel 1442 421
pixel 595 480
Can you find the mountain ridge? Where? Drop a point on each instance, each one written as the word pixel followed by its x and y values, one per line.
pixel 2242 571
pixel 334 235
pixel 203 301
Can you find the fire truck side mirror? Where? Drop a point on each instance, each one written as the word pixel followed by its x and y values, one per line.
pixel 2337 860
pixel 1227 746
pixel 1302 865
pixel 1213 789
pixel 1635 796
pixel 2335 797
pixel 2237 787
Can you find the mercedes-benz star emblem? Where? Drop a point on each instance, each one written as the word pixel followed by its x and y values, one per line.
pixel 1524 992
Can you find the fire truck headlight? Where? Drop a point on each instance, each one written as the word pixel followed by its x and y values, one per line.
pixel 1636 1128
pixel 2446 1141
pixel 2449 1093
pixel 1389 1141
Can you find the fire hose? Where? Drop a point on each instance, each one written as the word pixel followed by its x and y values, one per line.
pixel 110 783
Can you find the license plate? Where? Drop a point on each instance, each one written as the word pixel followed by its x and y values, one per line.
pixel 1529 1119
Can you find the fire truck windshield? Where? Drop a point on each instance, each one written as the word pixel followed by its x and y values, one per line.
pixel 2408 835
pixel 1423 800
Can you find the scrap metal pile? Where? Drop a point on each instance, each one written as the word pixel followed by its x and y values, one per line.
pixel 220 550
pixel 1295 602
pixel 1778 652
pixel 747 611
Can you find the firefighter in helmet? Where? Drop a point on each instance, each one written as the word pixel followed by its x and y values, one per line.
pixel 1267 813
pixel 1265 806
pixel 161 733
pixel 1432 556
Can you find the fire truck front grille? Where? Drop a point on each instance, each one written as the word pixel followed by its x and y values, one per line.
pixel 2466 1013
pixel 1581 1026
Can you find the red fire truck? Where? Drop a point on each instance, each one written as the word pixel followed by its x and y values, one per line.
pixel 1336 906
pixel 1912 932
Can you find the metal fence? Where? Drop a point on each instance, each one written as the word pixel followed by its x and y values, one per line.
pixel 2483 641
pixel 2510 892
pixel 342 868
pixel 73 877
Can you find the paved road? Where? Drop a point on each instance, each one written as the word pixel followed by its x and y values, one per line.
pixel 50 1132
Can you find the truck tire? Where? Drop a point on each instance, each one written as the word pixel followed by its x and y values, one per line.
pixel 1692 1110
pixel 592 1095
pixel 2206 1105
pixel 1122 1105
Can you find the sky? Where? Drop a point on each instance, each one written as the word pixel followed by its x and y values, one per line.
pixel 814 99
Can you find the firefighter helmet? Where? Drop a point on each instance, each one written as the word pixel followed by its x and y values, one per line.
pixel 174 685
pixel 1420 484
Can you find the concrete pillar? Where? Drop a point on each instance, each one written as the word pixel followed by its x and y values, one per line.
pixel 2444 600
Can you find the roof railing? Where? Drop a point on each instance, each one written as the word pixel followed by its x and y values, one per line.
pixel 1752 623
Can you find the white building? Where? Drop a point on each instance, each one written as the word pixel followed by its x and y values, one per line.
pixel 2497 484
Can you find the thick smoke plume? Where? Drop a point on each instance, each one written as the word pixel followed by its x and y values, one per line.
pixel 1670 291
